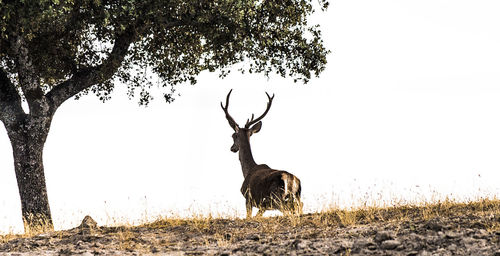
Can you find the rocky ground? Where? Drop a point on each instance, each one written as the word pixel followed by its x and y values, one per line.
pixel 411 231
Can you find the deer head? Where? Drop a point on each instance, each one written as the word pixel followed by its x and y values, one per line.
pixel 242 134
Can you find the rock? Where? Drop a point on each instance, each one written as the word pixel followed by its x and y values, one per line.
pixel 261 248
pixel 86 254
pixel 467 241
pixel 478 225
pixel 383 235
pixel 339 247
pixel 65 251
pixel 80 244
pixel 442 251
pixel 299 244
pixel 88 225
pixel 253 237
pixel 154 249
pixel 363 243
pixel 452 247
pixel 424 253
pixel 390 244
pixel 452 235
pixel 88 222
pixel 480 234
pixel 434 224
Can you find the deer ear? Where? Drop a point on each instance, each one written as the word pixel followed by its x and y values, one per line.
pixel 256 127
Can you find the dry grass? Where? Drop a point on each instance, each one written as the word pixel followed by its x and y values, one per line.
pixel 407 212
pixel 44 226
pixel 223 231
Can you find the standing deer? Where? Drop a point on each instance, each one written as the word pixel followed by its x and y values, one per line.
pixel 263 187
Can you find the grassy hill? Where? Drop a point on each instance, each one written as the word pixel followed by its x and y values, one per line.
pixel 442 228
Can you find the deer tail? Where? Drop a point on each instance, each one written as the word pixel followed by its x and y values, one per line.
pixel 291 185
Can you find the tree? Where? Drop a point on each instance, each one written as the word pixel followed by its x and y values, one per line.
pixel 53 50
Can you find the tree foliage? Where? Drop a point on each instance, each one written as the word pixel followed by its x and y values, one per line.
pixel 172 41
pixel 53 50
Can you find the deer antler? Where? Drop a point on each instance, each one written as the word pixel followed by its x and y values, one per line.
pixel 252 121
pixel 231 121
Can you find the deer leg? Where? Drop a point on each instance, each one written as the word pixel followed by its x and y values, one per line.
pixel 298 206
pixel 260 212
pixel 249 209
pixel 286 205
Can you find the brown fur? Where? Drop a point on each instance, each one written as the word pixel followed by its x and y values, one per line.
pixel 264 188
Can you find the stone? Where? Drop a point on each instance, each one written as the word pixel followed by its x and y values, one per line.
pixel 478 225
pixel 468 241
pixel 86 254
pixel 342 246
pixel 480 234
pixel 390 244
pixel 383 235
pixel 363 243
pixel 253 237
pixel 452 235
pixel 88 222
pixel 299 244
pixel 424 253
pixel 452 247
pixel 434 224
pixel 88 226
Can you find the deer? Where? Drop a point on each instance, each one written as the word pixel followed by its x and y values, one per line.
pixel 263 187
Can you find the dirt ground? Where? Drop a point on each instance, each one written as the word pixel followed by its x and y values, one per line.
pixel 370 232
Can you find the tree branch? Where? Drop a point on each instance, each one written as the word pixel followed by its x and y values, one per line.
pixel 28 80
pixel 87 77
pixel 10 101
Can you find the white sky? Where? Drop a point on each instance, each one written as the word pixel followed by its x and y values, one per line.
pixel 408 108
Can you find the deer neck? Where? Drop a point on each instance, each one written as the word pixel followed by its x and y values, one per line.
pixel 246 158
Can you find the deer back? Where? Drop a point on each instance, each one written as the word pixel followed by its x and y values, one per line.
pixel 265 184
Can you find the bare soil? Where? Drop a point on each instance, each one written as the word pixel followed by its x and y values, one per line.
pixel 408 231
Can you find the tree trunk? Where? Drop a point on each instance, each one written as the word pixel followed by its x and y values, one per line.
pixel 27 136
